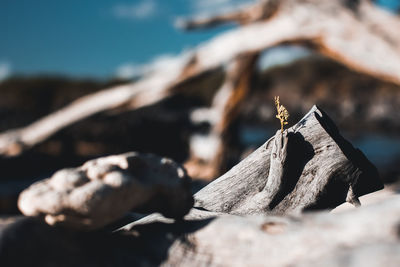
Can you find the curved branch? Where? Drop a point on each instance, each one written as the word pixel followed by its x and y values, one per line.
pixel 333 29
pixel 262 10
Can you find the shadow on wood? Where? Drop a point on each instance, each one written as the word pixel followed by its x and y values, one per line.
pixel 299 153
pixel 333 172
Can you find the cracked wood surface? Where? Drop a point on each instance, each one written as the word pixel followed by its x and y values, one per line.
pixel 317 169
pixel 310 166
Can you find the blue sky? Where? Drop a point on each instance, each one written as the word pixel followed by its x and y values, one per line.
pixel 90 37
pixel 96 38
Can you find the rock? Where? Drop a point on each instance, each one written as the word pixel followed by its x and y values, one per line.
pixel 103 190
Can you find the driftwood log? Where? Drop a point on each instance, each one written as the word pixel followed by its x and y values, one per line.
pixel 104 190
pixel 366 236
pixel 309 166
pixel 310 240
pixel 331 41
pixel 355 33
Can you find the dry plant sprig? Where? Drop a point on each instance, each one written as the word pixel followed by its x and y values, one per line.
pixel 283 114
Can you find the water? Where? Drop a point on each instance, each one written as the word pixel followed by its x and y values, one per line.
pixel 379 149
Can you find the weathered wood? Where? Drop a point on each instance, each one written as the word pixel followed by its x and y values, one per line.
pixel 367 236
pixel 309 166
pixel 144 92
pixel 262 10
pixel 225 107
pixel 318 238
pixel 355 33
pixel 317 169
pixel 103 190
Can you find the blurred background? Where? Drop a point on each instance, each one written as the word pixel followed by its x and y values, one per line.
pixel 55 52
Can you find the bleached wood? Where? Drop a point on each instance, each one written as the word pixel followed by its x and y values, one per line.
pixel 319 239
pixel 309 166
pixel 355 33
pixel 102 190
pixel 317 169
